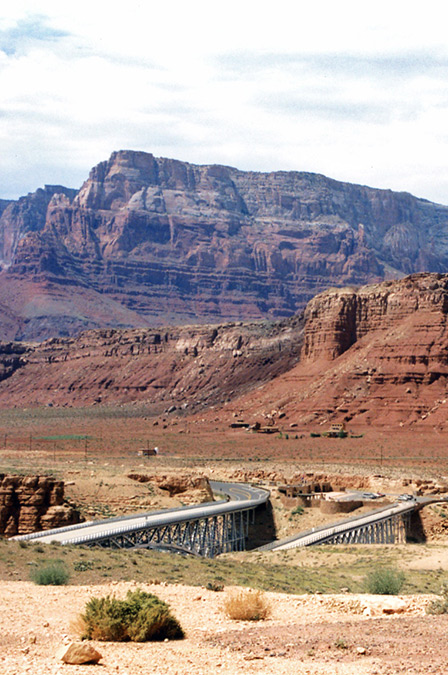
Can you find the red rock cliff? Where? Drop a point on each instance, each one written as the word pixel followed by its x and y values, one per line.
pixel 150 240
pixel 376 355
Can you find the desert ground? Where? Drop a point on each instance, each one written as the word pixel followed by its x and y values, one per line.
pixel 321 621
pixel 312 634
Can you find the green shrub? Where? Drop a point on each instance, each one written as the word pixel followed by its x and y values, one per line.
pixel 385 581
pixel 214 586
pixel 439 606
pixel 51 574
pixel 298 511
pixel 140 617
pixel 83 565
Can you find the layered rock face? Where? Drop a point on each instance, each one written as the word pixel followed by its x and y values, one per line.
pixel 374 355
pixel 377 355
pixel 147 241
pixel 189 367
pixel 33 503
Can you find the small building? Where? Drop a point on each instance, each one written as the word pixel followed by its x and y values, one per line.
pixel 148 452
pixel 337 429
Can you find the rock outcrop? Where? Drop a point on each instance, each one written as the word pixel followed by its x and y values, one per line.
pixel 192 489
pixel 175 367
pixel 376 355
pixel 33 503
pixel 149 240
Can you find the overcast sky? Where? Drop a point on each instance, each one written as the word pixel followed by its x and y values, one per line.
pixel 356 91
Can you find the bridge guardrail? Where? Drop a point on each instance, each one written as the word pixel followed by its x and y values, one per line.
pixel 310 537
pixel 164 517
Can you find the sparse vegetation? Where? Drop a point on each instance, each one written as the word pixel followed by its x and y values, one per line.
pixel 214 586
pixel 246 604
pixel 385 581
pixel 439 606
pixel 83 565
pixel 140 617
pixel 51 574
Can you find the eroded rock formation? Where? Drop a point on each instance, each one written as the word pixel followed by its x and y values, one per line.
pixel 33 503
pixel 374 355
pixel 149 240
pixel 191 489
pixel 185 367
pixel 371 355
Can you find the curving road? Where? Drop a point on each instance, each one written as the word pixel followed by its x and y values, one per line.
pixel 239 497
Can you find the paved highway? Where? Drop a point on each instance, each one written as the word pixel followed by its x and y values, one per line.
pixel 239 497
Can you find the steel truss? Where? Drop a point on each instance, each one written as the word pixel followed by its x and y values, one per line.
pixel 206 536
pixel 391 530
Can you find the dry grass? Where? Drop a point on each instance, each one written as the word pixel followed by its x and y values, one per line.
pixel 246 604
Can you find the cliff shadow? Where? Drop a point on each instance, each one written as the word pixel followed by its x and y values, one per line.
pixel 263 530
pixel 416 533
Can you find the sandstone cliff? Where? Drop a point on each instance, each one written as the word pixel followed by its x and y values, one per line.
pixel 375 355
pixel 372 355
pixel 33 503
pixel 149 240
pixel 186 367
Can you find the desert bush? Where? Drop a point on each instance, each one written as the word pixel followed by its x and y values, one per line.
pixel 384 581
pixel 83 565
pixel 214 586
pixel 439 606
pixel 246 604
pixel 140 617
pixel 51 574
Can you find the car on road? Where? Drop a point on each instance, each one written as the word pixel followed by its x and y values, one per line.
pixel 405 498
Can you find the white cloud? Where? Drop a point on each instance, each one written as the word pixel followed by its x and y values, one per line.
pixel 264 86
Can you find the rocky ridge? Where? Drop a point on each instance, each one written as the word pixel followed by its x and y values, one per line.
pixel 182 368
pixel 375 355
pixel 150 240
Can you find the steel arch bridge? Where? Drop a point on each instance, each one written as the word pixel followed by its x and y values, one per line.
pixel 206 529
pixel 205 536
pixel 388 525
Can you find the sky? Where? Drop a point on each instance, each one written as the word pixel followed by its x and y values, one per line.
pixel 355 91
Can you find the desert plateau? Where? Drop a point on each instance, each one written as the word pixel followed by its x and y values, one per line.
pixel 223 338
pixel 169 326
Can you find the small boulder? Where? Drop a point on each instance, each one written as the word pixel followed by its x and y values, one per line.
pixel 78 653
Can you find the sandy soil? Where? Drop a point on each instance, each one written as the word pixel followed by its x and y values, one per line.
pixel 312 634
